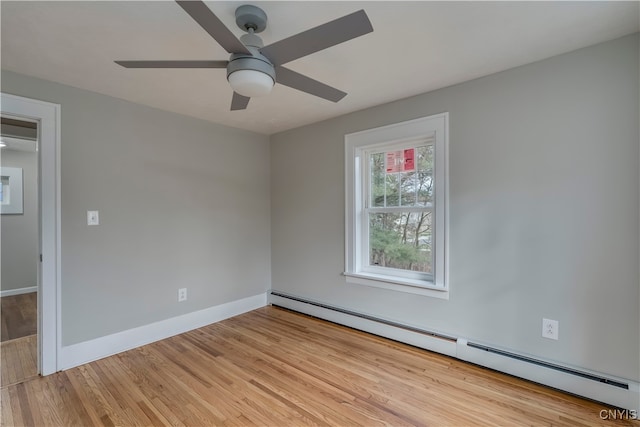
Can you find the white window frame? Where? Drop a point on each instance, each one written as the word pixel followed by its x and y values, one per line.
pixel 357 146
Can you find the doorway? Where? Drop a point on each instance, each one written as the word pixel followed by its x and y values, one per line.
pixel 19 241
pixel 47 118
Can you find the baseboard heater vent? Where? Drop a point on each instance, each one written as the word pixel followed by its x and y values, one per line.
pixel 618 392
pixel 363 316
pixel 550 365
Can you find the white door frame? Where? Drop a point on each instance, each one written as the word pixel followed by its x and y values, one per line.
pixel 47 115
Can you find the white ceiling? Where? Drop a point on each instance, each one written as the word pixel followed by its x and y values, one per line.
pixel 416 47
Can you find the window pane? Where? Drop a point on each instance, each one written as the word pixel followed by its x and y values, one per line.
pixel 424 180
pixel 401 240
pixel 425 158
pixel 377 179
pixel 424 188
pixel 392 189
pixel 408 189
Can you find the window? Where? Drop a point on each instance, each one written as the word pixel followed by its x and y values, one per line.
pixel 396 206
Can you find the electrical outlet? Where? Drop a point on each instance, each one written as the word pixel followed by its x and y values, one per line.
pixel 182 294
pixel 93 218
pixel 550 329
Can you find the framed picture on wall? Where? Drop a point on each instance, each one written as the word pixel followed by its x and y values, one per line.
pixel 11 192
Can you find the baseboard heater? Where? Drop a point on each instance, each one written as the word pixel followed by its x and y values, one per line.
pixel 550 366
pixel 618 392
pixel 366 316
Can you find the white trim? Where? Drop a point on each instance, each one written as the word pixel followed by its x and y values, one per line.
pixel 88 351
pixel 396 284
pixel 357 145
pixel 457 347
pixel 19 291
pixel 395 132
pixel 47 115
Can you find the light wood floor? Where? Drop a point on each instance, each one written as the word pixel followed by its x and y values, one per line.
pixel 18 342
pixel 18 316
pixel 18 360
pixel 274 367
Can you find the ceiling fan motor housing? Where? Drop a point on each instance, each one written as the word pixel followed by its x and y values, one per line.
pixel 244 66
pixel 251 76
pixel 257 62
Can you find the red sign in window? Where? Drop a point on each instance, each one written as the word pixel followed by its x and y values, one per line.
pixel 409 164
pixel 401 161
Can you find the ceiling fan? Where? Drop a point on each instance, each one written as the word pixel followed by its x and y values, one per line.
pixel 253 68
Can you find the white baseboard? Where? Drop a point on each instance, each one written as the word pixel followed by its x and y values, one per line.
pixel 20 291
pixel 88 351
pixel 458 348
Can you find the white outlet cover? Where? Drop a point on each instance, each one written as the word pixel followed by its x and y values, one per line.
pixel 550 329
pixel 93 218
pixel 182 294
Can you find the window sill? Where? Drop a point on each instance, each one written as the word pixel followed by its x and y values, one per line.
pixel 411 286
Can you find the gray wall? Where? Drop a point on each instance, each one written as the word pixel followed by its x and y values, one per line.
pixel 183 203
pixel 19 256
pixel 544 217
pixel 544 210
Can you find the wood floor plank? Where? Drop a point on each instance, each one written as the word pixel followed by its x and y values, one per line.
pixel 278 368
pixel 89 397
pixel 364 388
pixel 290 380
pixel 18 316
pixel 223 385
pixel 18 339
pixel 18 360
pixel 105 404
pixel 118 382
pixel 6 413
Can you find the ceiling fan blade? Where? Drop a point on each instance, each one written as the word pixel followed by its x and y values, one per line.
pixel 321 37
pixel 213 25
pixel 239 102
pixel 306 84
pixel 173 64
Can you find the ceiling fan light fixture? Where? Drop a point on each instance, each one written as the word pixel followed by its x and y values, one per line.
pixel 251 83
pixel 251 68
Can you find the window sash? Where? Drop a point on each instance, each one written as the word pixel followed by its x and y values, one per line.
pixel 365 248
pixel 417 143
pixel 366 199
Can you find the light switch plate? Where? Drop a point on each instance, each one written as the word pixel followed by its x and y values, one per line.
pixel 93 218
